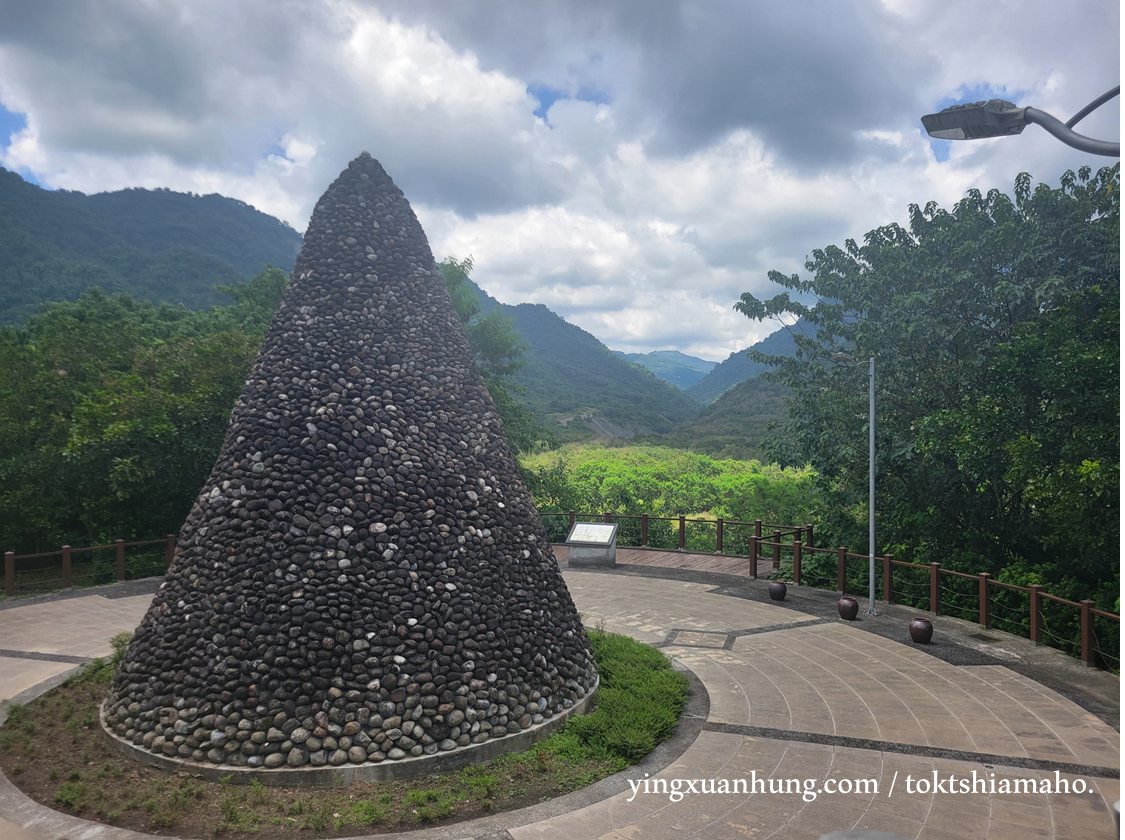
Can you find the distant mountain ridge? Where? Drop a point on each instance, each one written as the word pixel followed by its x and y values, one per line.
pixel 672 366
pixel 154 244
pixel 734 425
pixel 581 389
pixel 739 367
pixel 173 247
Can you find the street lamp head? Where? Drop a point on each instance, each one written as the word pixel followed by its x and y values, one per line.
pixel 999 118
pixel 976 121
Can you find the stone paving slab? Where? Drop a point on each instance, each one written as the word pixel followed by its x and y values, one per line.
pixel 18 675
pixel 835 679
pixel 74 626
pixel 838 680
pixel 11 831
pixel 786 814
pixel 648 608
pixel 763 665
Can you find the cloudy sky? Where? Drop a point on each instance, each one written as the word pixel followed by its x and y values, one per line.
pixel 635 165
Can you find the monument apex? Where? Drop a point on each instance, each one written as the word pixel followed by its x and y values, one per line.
pixel 363 579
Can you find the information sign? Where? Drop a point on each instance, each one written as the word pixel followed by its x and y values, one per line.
pixel 592 533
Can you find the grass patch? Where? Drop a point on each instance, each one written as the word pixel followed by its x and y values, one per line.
pixel 53 750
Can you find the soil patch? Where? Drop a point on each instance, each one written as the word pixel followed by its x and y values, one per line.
pixel 54 750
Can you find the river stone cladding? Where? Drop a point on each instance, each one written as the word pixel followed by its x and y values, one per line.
pixel 363 577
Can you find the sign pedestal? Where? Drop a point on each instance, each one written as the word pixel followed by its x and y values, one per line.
pixel 592 545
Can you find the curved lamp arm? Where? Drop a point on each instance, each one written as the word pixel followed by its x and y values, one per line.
pixel 1093 106
pixel 997 118
pixel 1060 130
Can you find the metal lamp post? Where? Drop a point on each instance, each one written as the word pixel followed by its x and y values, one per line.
pixel 871 488
pixel 999 118
pixel 847 357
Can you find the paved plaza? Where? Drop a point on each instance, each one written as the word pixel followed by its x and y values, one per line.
pixel 791 693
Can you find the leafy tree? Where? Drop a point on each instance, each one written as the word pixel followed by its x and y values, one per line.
pixel 995 332
pixel 112 411
pixel 661 481
pixel 499 354
pixel 153 244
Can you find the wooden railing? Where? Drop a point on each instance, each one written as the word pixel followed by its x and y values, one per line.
pixel 923 586
pixel 66 576
pixel 919 585
pixel 684 534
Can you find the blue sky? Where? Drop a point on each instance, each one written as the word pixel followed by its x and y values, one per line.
pixel 10 124
pixel 967 94
pixel 635 167
pixel 547 96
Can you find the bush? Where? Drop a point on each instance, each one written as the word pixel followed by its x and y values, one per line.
pixel 639 703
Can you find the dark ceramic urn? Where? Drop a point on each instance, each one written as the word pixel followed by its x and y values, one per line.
pixel 921 630
pixel 848 607
pixel 777 590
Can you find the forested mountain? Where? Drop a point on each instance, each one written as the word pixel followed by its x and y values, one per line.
pixel 154 244
pixel 734 425
pixel 738 366
pixel 680 369
pixel 172 247
pixel 579 388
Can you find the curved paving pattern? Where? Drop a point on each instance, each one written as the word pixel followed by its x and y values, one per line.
pixel 838 680
pixel 792 697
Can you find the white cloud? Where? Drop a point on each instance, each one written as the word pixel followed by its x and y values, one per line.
pixel 641 217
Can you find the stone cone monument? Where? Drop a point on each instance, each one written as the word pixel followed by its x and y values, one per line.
pixel 363 578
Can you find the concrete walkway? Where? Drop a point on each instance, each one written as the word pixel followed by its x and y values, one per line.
pixel 794 694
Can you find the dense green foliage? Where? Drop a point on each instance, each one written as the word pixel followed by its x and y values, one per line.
pixel 665 483
pixel 672 366
pixel 740 366
pixel 499 353
pixel 733 426
pixel 112 412
pixel 668 482
pixel 639 701
pixel 570 373
pixel 580 389
pixel 995 332
pixel 153 244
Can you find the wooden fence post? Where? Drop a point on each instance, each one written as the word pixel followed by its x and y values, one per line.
pixel 644 530
pixel 796 562
pixel 808 535
pixel 758 528
pixel 10 574
pixel 777 549
pixel 985 612
pixel 1089 649
pixel 681 540
pixel 888 578
pixel 609 517
pixel 754 549
pixel 935 588
pixel 1036 607
pixel 569 521
pixel 170 551
pixel 67 572
pixel 719 536
pixel 842 570
pixel 120 560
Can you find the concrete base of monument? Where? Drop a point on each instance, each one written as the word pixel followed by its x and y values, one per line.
pixel 386 770
pixel 592 556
